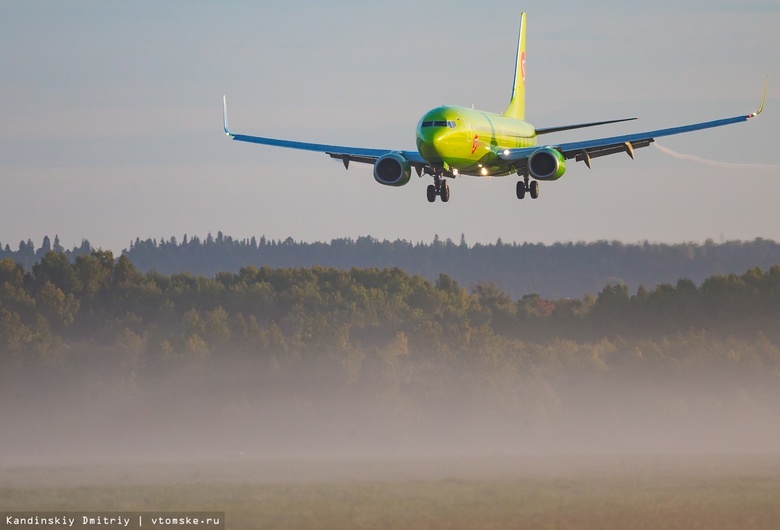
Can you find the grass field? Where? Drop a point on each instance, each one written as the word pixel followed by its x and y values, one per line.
pixel 628 492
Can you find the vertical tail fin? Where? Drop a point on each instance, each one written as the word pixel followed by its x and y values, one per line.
pixel 516 108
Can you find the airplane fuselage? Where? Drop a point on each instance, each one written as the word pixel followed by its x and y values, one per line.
pixel 467 141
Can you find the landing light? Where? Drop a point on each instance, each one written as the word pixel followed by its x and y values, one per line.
pixel 484 171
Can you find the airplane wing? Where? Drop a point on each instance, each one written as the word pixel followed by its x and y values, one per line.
pixel 343 153
pixel 588 149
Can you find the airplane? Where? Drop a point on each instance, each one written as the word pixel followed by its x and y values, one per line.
pixel 453 141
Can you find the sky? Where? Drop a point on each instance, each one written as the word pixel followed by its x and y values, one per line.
pixel 111 118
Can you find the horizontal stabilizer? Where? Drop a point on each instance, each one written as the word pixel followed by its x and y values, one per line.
pixel 548 130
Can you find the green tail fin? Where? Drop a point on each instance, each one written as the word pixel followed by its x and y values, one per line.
pixel 516 108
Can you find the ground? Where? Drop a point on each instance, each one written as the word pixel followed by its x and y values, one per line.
pixel 496 491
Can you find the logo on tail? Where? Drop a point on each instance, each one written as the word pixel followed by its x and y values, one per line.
pixel 522 66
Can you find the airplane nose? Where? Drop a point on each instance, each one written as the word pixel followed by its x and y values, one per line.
pixel 431 143
pixel 427 134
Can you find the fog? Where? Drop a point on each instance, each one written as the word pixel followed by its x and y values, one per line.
pixel 238 406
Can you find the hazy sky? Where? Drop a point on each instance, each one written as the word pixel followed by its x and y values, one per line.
pixel 111 126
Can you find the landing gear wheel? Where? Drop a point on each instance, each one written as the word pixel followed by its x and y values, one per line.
pixel 520 189
pixel 534 190
pixel 431 193
pixel 444 191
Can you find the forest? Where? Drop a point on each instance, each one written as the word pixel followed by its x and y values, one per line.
pixel 98 299
pixel 376 343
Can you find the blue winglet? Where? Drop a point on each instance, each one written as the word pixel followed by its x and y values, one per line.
pixel 224 116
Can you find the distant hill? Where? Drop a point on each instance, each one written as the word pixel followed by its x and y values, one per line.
pixel 562 270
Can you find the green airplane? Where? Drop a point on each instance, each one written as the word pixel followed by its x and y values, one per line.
pixel 453 141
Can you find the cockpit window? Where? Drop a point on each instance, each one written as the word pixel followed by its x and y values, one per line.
pixel 439 123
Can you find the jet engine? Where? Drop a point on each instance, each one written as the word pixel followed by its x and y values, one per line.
pixel 392 169
pixel 546 163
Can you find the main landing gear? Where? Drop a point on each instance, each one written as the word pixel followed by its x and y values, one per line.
pixel 440 188
pixel 524 186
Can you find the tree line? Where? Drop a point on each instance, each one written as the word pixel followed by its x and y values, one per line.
pixel 554 271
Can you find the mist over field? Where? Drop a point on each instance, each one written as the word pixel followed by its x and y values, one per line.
pixel 603 399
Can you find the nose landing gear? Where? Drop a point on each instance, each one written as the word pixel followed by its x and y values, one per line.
pixel 438 188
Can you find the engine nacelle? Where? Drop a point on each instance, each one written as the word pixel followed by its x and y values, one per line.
pixel 546 163
pixel 392 169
